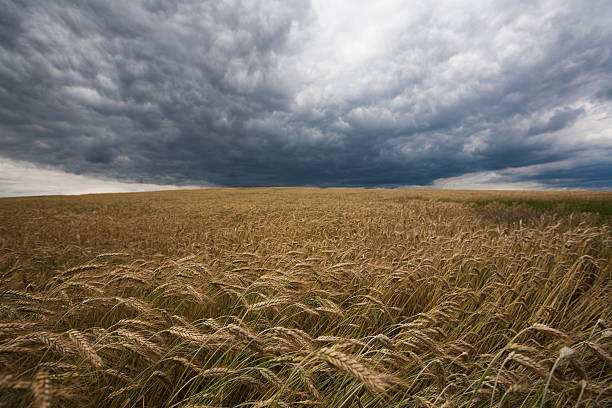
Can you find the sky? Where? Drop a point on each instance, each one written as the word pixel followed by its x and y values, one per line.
pixel 100 96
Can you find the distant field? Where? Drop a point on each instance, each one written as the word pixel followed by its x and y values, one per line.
pixel 307 297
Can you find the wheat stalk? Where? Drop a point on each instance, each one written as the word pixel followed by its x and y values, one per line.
pixel 351 366
pixel 41 389
pixel 85 348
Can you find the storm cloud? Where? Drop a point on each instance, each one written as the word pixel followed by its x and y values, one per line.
pixel 270 93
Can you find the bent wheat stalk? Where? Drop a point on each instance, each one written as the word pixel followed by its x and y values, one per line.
pixel 351 366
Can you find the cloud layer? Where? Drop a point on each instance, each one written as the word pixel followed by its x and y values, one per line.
pixel 245 93
pixel 22 179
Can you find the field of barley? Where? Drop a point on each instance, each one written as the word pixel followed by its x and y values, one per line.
pixel 307 298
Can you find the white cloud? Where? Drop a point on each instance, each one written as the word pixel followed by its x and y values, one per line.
pixel 87 95
pixel 23 179
pixel 485 181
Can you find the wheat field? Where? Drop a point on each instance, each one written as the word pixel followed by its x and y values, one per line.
pixel 306 297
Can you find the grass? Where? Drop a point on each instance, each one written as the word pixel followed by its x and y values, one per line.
pixel 306 297
pixel 601 208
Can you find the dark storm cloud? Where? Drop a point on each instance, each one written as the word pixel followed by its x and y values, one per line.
pixel 263 93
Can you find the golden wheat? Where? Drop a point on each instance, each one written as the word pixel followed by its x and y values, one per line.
pixel 305 297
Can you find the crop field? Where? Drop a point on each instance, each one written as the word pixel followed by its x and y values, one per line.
pixel 307 298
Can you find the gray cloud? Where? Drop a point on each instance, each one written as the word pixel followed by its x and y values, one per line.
pixel 264 93
pixel 560 119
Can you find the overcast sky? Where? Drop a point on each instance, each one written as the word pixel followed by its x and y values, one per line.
pixel 500 94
